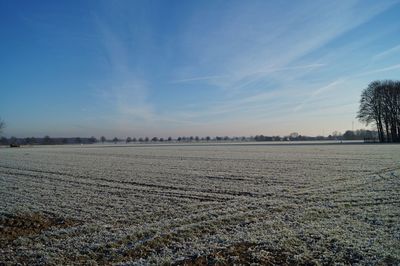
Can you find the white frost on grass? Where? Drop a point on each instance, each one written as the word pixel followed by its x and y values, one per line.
pixel 165 204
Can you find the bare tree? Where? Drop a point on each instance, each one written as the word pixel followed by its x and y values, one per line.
pixel 370 108
pixel 380 105
pixel 102 139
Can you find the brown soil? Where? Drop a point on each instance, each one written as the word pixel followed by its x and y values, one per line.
pixel 13 226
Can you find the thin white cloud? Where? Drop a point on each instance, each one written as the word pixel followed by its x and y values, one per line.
pixel 252 105
pixel 327 88
pixel 198 78
pixel 379 70
pixel 277 69
pixel 264 71
pixel 387 52
pixel 127 93
pixel 317 92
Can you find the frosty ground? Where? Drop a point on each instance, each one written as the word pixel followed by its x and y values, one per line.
pixel 200 204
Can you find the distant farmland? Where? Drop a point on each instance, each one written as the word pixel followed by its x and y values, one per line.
pixel 199 204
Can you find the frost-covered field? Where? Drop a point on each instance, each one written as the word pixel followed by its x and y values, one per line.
pixel 221 204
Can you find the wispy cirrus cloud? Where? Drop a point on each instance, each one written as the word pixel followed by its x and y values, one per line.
pixel 211 77
pixel 264 71
pixel 393 50
pixel 275 46
pixel 378 70
pixel 256 67
pixel 317 92
pixel 123 89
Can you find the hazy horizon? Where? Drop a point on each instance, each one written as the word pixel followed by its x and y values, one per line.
pixel 110 138
pixel 191 68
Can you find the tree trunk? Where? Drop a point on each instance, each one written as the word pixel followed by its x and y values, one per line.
pixel 380 130
pixel 388 136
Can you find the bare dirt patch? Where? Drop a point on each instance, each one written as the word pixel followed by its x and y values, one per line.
pixel 13 226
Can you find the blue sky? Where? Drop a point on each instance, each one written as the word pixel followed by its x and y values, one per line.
pixel 170 68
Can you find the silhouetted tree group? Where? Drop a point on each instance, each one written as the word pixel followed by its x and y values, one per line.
pixel 359 134
pixel 380 105
pixel 266 138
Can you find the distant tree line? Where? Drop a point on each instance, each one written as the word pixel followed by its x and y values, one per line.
pixel 360 134
pixel 46 140
pixel 388 131
pixel 380 106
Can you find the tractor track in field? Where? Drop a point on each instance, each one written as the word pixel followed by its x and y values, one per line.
pixel 201 205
